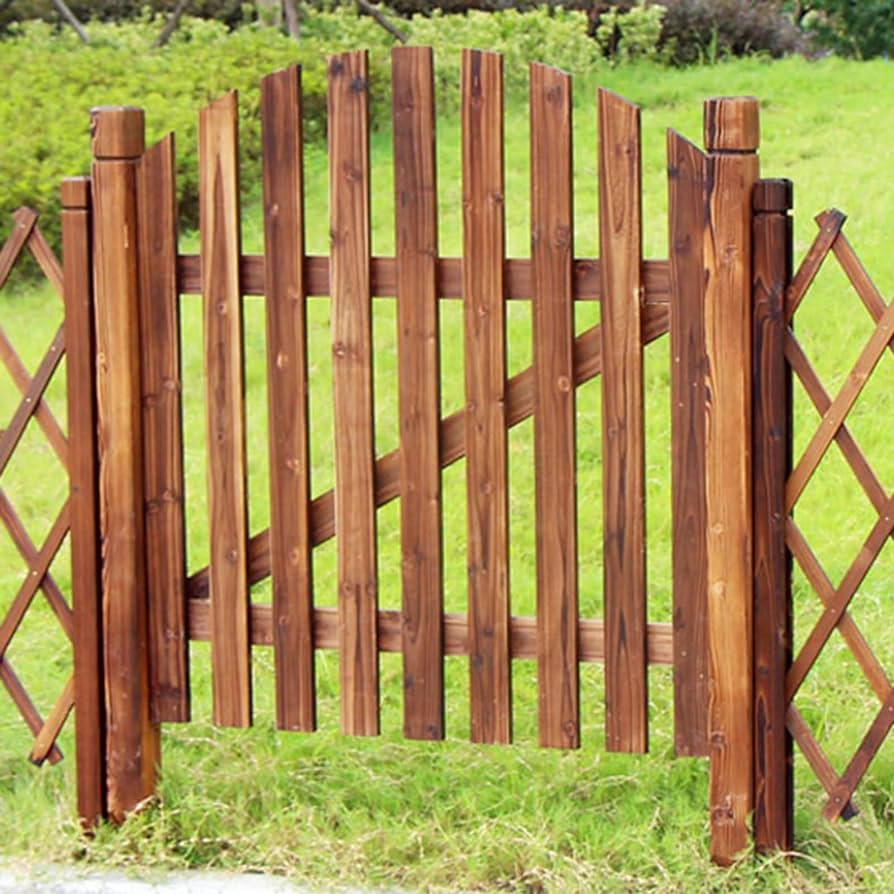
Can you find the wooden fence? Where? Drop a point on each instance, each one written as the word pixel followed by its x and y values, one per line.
pixel 719 294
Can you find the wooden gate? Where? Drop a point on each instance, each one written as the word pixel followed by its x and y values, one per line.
pixel 701 294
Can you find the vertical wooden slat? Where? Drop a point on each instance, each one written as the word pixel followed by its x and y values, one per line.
pixel 731 137
pixel 416 212
pixel 623 426
pixel 686 186
pixel 773 759
pixel 552 251
pixel 225 396
pixel 163 435
pixel 90 720
pixel 355 507
pixel 290 544
pixel 132 740
pixel 485 375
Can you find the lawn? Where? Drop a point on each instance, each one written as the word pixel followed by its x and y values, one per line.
pixel 450 816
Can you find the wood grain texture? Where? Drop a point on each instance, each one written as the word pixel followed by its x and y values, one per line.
pixel 728 328
pixel 32 391
pixel 117 132
pixel 834 417
pixel 518 283
pixel 837 605
pixel 773 821
pixel 25 706
pixel 287 392
pixel 163 435
pixel 519 406
pixel 861 281
pixel 416 222
pixel 132 739
pixel 840 797
pixel 86 591
pixel 815 756
pixel 355 506
pixel 38 564
pixel 485 377
pixel 52 726
pixel 555 445
pixel 623 426
pixel 824 588
pixel 830 223
pixel 523 633
pixel 687 196
pixel 225 397
pixel 37 561
pixel 46 259
pixel 24 220
pixel 802 368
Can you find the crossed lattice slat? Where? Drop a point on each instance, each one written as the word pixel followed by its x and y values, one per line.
pixel 26 234
pixel 836 600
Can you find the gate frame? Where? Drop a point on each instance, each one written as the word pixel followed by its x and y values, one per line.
pixel 747 417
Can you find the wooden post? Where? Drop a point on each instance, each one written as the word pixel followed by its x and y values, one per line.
pixel 772 272
pixel 132 745
pixel 90 720
pixel 731 139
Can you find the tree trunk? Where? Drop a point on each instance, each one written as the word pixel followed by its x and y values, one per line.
pixel 69 17
pixel 374 13
pixel 171 24
pixel 293 23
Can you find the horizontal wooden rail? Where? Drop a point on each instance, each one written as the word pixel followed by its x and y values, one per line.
pixel 523 633
pixel 518 277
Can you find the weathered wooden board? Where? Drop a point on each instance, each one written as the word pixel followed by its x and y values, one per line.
pixel 163 435
pixel 416 220
pixel 623 426
pixel 485 374
pixel 555 446
pixel 287 393
pixel 355 505
pixel 225 407
pixel 86 584
pixel 687 196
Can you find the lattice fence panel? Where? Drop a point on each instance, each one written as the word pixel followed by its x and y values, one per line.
pixel 834 409
pixel 38 556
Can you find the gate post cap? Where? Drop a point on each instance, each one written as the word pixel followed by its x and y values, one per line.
pixel 117 132
pixel 772 196
pixel 75 192
pixel 732 124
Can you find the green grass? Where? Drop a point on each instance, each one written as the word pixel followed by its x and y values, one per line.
pixel 452 816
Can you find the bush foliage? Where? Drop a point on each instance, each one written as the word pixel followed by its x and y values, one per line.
pixel 45 119
pixel 683 32
pixel 862 30
pixel 57 79
pixel 705 30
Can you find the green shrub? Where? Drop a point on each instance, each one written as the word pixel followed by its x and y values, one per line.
pixel 45 120
pixel 559 38
pixel 863 29
pixel 708 30
pixel 632 34
pixel 230 12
